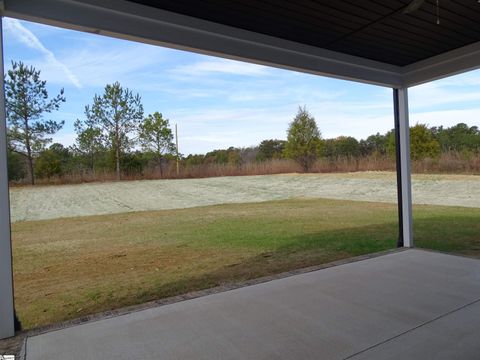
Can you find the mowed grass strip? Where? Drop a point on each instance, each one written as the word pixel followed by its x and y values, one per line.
pixel 66 268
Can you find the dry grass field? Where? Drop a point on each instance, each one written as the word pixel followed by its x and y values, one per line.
pixel 50 202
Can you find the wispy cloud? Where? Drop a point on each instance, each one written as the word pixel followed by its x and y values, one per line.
pixel 458 91
pixel 220 66
pixel 225 138
pixel 22 34
pixel 97 66
pixel 447 118
pixel 218 126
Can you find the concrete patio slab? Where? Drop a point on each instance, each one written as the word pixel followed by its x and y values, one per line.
pixel 412 304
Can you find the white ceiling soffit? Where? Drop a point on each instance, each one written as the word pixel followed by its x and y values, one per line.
pixel 126 20
pixel 447 64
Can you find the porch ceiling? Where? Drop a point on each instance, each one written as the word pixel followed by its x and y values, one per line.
pixel 370 41
pixel 376 30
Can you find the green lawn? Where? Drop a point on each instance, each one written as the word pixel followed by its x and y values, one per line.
pixel 66 268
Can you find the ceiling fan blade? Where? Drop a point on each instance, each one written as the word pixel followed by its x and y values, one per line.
pixel 413 6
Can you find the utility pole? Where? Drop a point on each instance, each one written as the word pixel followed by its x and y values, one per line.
pixel 176 141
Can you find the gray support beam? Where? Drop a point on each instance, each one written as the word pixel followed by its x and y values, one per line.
pixel 404 182
pixel 6 277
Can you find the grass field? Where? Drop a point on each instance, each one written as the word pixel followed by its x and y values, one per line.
pixel 66 268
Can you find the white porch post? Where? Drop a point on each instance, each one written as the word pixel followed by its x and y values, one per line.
pixel 404 182
pixel 6 277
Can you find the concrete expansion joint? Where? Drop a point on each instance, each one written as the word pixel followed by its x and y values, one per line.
pixel 412 329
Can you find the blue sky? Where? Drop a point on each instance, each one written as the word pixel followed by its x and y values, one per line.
pixel 219 103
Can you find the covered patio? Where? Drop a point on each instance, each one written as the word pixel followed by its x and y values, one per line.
pixel 410 304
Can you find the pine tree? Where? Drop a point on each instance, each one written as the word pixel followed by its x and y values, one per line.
pixel 26 102
pixel 118 114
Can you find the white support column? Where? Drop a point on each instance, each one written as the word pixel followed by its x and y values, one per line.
pixel 7 328
pixel 404 182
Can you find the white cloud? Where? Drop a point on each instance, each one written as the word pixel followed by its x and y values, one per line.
pixel 22 34
pixel 97 66
pixel 202 130
pixel 470 78
pixel 448 91
pixel 66 138
pixel 220 66
pixel 224 138
pixel 447 118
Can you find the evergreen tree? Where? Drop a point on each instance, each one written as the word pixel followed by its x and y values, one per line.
pixel 26 102
pixel 89 141
pixel 303 140
pixel 156 137
pixel 117 113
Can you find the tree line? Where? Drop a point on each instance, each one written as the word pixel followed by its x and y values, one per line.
pixel 114 135
pixel 305 145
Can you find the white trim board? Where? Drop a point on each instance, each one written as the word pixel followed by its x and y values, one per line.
pixel 447 64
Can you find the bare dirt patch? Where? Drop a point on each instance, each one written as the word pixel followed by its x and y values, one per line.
pixel 50 202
